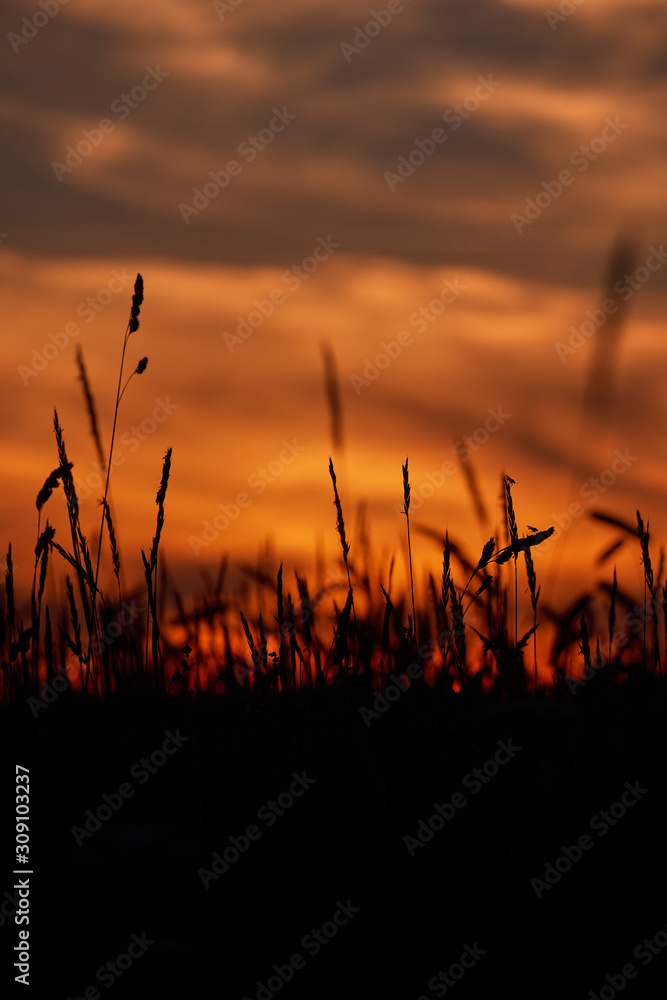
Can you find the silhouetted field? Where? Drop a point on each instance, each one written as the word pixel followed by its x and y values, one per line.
pixel 357 793
pixel 150 868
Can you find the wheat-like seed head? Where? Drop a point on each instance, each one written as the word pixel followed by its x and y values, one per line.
pixel 644 537
pixel 90 406
pixel 406 489
pixel 532 581
pixel 340 523
pixel 112 540
pixel 333 394
pixel 137 299
pixel 511 516
pixel 65 467
pixel 49 486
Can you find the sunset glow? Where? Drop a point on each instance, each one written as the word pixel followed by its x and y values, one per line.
pixel 344 222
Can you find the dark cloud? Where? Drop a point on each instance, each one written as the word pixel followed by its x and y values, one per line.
pixel 325 172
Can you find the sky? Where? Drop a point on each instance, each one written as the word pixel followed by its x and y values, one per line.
pixel 431 191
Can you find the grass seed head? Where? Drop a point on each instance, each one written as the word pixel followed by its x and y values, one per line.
pixel 340 523
pixel 137 299
pixel 406 489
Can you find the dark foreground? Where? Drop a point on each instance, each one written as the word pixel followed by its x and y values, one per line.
pixel 249 849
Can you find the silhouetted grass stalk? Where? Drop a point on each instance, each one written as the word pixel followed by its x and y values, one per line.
pixel 612 611
pixel 406 511
pixel 132 327
pixel 534 598
pixel 151 568
pixel 340 528
pixel 649 585
pixel 80 557
pixel 514 535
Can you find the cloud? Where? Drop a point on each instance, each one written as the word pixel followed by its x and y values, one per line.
pixel 324 175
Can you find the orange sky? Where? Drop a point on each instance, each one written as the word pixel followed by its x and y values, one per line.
pixel 391 209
